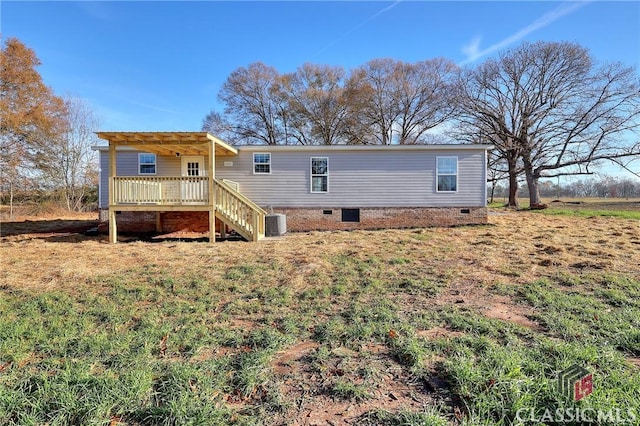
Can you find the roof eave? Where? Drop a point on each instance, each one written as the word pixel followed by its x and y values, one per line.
pixel 159 139
pixel 425 147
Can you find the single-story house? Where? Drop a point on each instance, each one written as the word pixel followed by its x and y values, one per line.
pixel 170 181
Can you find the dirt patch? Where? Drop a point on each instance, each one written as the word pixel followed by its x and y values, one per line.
pixel 473 296
pixel 312 389
pixel 504 309
pixel 285 362
pixel 438 332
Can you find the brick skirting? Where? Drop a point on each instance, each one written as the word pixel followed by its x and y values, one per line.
pixel 143 222
pixel 309 219
pixel 380 218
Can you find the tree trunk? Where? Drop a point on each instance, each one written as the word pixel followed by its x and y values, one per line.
pixel 512 162
pixel 493 191
pixel 11 200
pixel 532 183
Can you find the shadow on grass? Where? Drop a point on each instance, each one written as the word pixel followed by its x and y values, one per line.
pixel 168 238
pixel 126 238
pixel 46 226
pixel 76 231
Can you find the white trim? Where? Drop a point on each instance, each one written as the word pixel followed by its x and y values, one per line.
pixel 155 164
pixel 311 175
pixel 184 159
pixel 254 163
pixel 484 183
pixel 331 148
pixel 232 183
pixel 105 148
pixel 222 144
pixel 448 174
pixel 100 182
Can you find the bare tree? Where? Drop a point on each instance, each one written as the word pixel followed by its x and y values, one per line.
pixel 402 101
pixel 218 125
pixel 550 106
pixel 384 102
pixel 252 105
pixel 486 117
pixel 424 96
pixel 317 104
pixel 66 162
pixel 358 128
pixel 497 171
pixel 374 86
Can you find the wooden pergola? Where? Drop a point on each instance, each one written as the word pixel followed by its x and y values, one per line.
pixel 138 188
pixel 170 143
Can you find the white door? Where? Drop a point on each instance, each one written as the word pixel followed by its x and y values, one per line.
pixel 194 191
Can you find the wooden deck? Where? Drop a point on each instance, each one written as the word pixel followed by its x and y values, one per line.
pixel 176 193
pixel 180 193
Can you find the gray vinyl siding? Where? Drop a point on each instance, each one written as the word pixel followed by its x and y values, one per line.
pixel 358 179
pixel 127 165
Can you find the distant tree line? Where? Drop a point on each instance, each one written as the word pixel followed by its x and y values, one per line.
pixel 549 109
pixel 604 187
pixel 45 139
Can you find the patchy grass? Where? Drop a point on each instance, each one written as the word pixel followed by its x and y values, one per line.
pixel 621 208
pixel 586 207
pixel 625 214
pixel 463 326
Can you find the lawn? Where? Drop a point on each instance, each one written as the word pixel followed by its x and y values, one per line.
pixel 628 208
pixel 461 326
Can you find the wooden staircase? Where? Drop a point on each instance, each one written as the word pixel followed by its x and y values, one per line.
pixel 239 212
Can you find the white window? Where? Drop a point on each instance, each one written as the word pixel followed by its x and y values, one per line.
pixel 261 163
pixel 447 173
pixel 193 168
pixel 319 174
pixel 146 164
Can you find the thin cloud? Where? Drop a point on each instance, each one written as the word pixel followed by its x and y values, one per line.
pixel 154 107
pixel 380 12
pixel 473 52
pixel 472 49
pixel 96 10
pixel 360 25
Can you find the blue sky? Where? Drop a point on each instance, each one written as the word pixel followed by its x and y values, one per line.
pixel 159 65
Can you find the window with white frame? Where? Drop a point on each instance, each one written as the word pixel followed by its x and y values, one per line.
pixel 146 164
pixel 447 174
pixel 261 163
pixel 319 174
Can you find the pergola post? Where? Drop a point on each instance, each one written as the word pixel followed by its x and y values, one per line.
pixel 212 194
pixel 113 231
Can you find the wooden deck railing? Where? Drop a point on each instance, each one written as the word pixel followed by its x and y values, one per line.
pixel 245 216
pixel 238 211
pixel 162 190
